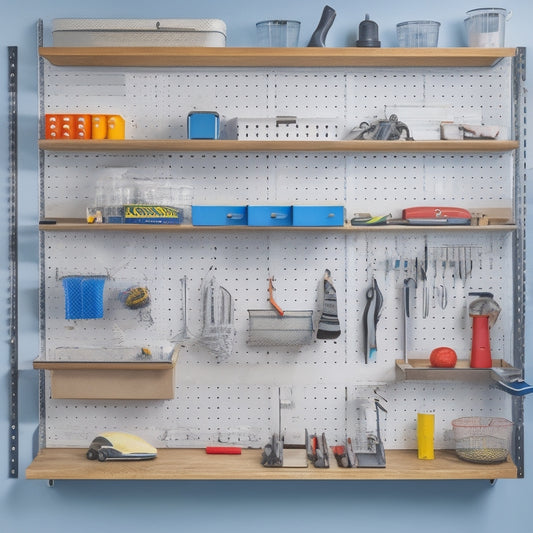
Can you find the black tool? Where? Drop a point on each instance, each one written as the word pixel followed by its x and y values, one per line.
pixel 371 317
pixel 329 326
pixel 318 39
pixel 368 34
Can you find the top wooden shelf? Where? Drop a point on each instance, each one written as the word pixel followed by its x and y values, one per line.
pixel 273 57
pixel 222 145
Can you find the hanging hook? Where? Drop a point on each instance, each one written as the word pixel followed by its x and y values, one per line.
pixel 273 302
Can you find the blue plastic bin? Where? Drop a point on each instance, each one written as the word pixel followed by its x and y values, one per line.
pixel 84 297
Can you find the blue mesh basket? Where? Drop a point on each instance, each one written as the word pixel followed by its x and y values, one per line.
pixel 84 297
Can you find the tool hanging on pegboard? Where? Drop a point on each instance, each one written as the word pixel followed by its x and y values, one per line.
pixel 13 264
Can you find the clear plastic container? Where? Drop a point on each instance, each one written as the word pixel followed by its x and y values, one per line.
pixel 418 34
pixel 278 33
pixel 184 197
pixel 485 27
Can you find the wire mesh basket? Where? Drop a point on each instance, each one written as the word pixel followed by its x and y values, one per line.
pixel 266 327
pixel 482 439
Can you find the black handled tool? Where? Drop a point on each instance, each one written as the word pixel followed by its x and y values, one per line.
pixel 318 39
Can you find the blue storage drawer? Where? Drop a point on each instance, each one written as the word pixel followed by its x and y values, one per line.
pixel 269 215
pixel 203 125
pixel 318 215
pixel 219 215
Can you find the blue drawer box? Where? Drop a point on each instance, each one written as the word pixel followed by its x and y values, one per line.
pixel 317 215
pixel 269 215
pixel 203 125
pixel 219 215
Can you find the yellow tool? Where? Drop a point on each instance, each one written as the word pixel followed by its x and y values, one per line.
pixel 119 446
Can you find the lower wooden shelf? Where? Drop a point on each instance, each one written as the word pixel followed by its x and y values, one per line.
pixel 79 224
pixel 71 463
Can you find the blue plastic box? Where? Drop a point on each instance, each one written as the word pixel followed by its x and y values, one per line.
pixel 219 215
pixel 269 215
pixel 84 297
pixel 317 215
pixel 203 125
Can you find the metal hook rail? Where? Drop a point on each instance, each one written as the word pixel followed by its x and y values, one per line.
pixel 13 265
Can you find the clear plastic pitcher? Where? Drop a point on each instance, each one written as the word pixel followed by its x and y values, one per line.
pixel 485 27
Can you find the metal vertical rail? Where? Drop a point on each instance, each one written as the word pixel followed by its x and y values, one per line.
pixel 42 284
pixel 519 245
pixel 13 265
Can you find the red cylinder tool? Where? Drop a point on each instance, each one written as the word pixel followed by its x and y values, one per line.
pixel 480 356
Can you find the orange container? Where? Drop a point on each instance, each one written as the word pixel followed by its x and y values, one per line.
pixel 82 126
pixel 52 126
pixel 66 126
pixel 99 126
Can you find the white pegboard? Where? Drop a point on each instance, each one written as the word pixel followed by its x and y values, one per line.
pixel 257 391
pixel 156 102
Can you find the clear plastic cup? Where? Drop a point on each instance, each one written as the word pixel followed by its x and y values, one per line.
pixel 418 34
pixel 278 33
pixel 485 27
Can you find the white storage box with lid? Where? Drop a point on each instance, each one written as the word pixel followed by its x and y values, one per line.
pixel 281 128
pixel 138 32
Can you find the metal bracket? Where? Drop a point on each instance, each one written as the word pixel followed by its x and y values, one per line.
pixel 13 265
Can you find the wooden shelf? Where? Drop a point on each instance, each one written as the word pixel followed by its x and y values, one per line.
pixel 116 380
pixel 71 463
pixel 82 225
pixel 421 369
pixel 273 57
pixel 223 145
pixel 139 366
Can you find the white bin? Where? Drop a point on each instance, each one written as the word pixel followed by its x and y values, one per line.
pixel 138 32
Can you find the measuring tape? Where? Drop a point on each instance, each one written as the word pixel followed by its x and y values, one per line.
pixel 13 264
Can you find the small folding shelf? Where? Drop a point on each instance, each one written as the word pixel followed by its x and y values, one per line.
pixel 421 369
pixel 116 380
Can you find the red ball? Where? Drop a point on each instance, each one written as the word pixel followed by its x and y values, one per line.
pixel 443 357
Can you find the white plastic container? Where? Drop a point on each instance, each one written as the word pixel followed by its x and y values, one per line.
pixel 485 27
pixel 138 32
pixel 281 128
pixel 418 34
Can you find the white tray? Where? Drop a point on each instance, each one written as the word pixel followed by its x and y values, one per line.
pixel 138 32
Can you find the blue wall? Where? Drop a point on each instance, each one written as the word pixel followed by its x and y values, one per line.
pixel 81 506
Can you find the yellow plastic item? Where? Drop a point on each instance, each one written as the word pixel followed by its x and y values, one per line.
pixel 99 127
pixel 116 127
pixel 127 443
pixel 425 431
